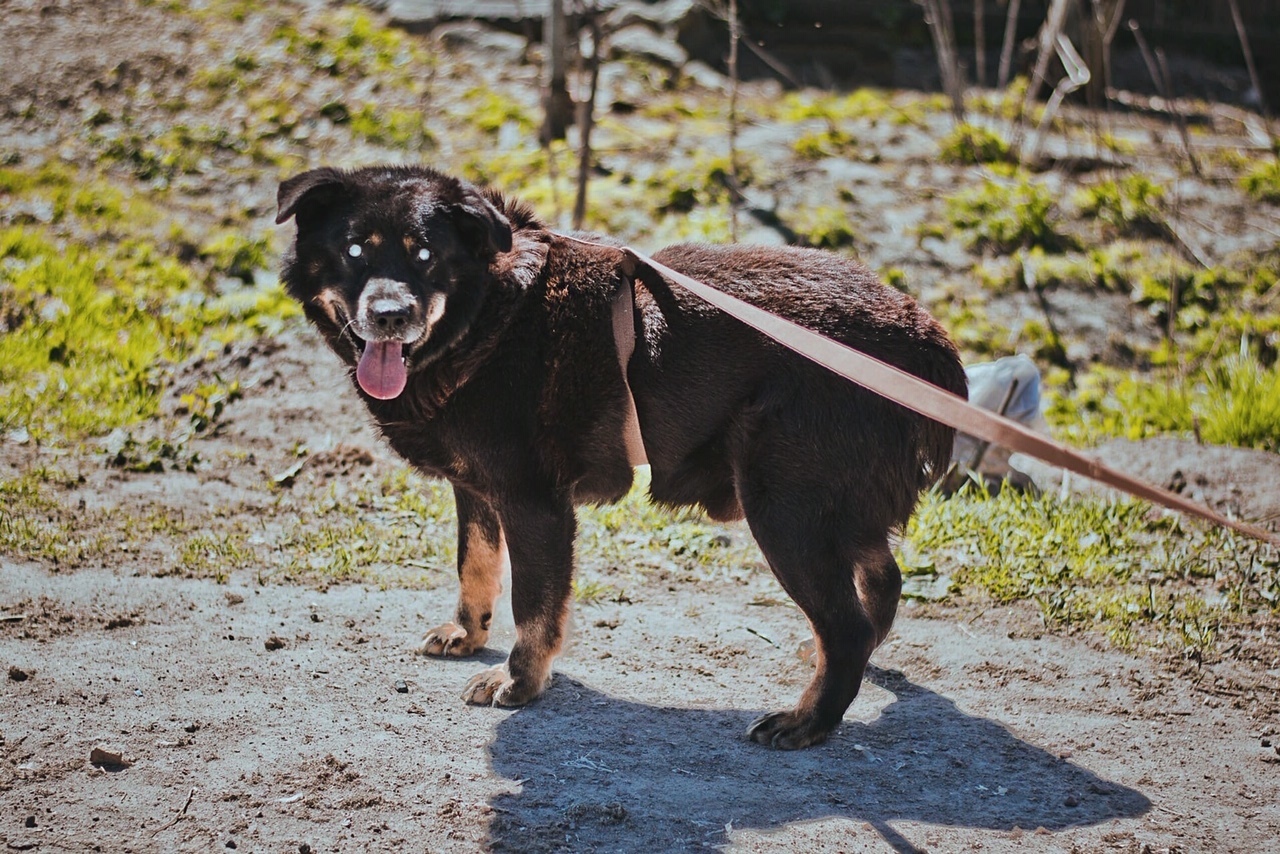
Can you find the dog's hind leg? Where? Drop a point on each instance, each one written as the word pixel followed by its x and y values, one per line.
pixel 848 592
pixel 540 539
pixel 482 557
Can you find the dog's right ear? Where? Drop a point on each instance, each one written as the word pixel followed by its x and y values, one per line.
pixel 310 188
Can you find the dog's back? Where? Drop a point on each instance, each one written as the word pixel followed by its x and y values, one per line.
pixel 703 382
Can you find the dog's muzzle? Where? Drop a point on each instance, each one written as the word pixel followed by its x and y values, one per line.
pixel 388 318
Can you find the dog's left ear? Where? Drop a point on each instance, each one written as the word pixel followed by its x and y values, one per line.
pixel 301 191
pixel 482 224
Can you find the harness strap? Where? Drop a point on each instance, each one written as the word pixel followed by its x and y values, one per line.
pixel 624 338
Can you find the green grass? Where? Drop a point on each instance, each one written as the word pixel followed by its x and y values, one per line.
pixel 1233 401
pixel 1006 215
pixel 1114 566
pixel 827 143
pixel 1262 181
pixel 823 227
pixel 972 144
pixel 1131 206
pixel 92 333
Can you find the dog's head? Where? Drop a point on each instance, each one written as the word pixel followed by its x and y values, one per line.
pixel 392 263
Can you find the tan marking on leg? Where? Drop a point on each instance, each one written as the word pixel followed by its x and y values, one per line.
pixel 480 582
pixel 374 239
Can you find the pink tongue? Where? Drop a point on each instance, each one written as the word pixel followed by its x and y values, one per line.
pixel 381 371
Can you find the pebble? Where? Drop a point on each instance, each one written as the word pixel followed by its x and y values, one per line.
pixel 17 674
pixel 401 687
pixel 275 642
pixel 108 758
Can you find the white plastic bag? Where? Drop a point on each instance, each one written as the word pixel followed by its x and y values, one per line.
pixel 1010 386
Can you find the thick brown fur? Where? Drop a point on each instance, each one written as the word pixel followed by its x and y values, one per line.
pixel 516 396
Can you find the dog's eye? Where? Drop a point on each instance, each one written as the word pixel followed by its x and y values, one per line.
pixel 424 254
pixel 355 250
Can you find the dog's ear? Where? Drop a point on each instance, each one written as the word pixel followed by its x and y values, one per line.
pixel 482 224
pixel 301 192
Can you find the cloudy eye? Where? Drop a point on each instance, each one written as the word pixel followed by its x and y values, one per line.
pixel 355 250
pixel 424 254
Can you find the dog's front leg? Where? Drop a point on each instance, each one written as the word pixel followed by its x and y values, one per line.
pixel 540 541
pixel 482 557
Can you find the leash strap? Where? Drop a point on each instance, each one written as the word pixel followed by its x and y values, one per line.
pixel 902 388
pixel 624 337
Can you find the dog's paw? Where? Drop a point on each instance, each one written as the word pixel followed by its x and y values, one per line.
pixel 787 731
pixel 450 639
pixel 495 687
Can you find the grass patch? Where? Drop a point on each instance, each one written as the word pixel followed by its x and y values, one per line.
pixel 1262 181
pixel 1106 565
pixel 827 143
pixel 972 144
pixel 824 227
pixel 90 334
pixel 1129 207
pixel 1005 216
pixel 1234 401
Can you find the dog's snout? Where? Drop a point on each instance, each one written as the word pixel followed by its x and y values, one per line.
pixel 388 311
pixel 390 316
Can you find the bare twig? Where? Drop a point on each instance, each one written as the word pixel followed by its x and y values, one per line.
pixel 1159 71
pixel 586 115
pixel 556 105
pixel 1006 49
pixel 1113 27
pixel 937 14
pixel 980 41
pixel 1048 42
pixel 191 794
pixel 735 34
pixel 1077 75
pixel 1187 247
pixel 1238 20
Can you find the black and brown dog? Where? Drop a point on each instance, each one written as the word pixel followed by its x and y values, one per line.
pixel 484 346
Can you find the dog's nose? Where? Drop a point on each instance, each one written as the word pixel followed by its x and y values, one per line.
pixel 390 316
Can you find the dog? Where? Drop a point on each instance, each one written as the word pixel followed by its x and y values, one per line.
pixel 488 350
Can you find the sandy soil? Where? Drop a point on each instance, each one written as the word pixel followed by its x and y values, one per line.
pixel 964 738
pixel 270 718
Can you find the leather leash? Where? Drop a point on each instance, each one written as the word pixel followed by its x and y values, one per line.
pixel 893 383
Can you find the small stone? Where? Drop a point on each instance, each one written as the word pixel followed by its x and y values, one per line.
pixel 233 598
pixel 1071 801
pixel 1266 742
pixel 17 674
pixel 108 759
pixel 401 687
pixel 275 642
pixel 304 848
pixel 30 822
pixel 231 843
pixel 192 727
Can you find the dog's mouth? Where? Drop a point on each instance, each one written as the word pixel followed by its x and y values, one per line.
pixel 383 369
pixel 385 334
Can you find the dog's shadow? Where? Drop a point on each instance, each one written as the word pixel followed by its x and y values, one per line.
pixel 598 773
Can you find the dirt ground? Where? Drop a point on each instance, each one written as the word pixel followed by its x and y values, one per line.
pixel 289 718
